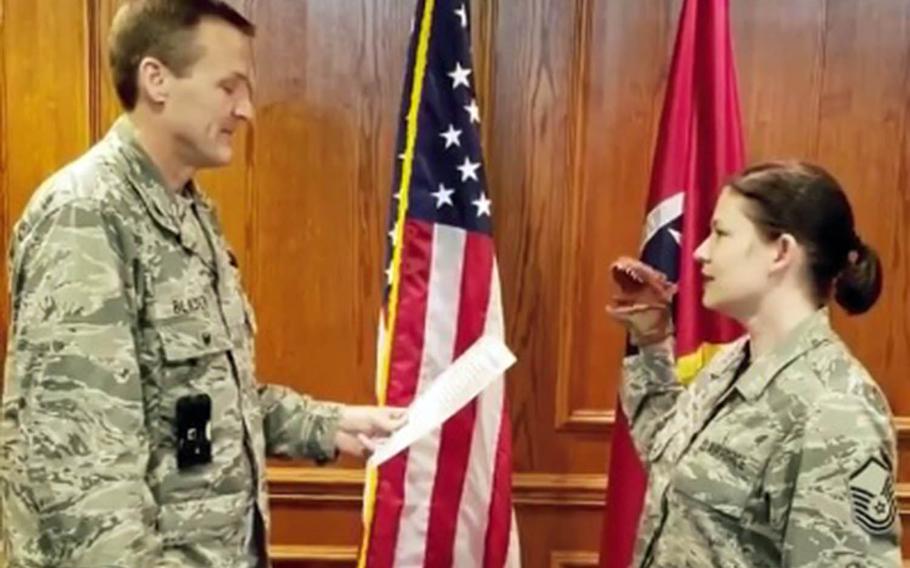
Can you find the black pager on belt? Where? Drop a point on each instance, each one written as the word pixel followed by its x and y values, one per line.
pixel 194 419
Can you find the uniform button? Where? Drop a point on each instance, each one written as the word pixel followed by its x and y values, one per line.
pixel 207 338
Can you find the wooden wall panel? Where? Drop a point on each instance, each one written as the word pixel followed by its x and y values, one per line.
pixel 532 173
pixel 319 512
pixel 627 55
pixel 322 158
pixel 862 125
pixel 4 185
pixel 570 94
pixel 45 108
pixel 104 108
pixel 780 54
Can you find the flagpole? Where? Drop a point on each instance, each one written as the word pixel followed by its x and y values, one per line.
pixel 420 64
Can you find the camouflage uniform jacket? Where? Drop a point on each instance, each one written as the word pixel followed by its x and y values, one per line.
pixel 787 464
pixel 125 298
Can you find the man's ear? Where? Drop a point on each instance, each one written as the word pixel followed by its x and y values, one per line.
pixel 154 80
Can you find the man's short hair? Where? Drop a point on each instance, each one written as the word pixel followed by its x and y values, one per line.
pixel 165 30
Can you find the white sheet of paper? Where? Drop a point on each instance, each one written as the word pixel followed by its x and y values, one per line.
pixel 466 377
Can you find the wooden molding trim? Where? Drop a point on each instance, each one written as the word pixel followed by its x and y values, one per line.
pixel 326 485
pixel 584 419
pixel 902 427
pixel 589 419
pixel 347 554
pixel 486 24
pixel 329 485
pixel 95 67
pixel 902 493
pixel 573 559
pixel 573 490
pixel 312 484
pixel 296 553
pixel 567 418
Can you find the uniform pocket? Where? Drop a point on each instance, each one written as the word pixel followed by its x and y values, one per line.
pixel 191 338
pixel 193 362
pixel 217 518
pixel 718 476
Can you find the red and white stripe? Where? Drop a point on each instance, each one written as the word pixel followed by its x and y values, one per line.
pixel 447 500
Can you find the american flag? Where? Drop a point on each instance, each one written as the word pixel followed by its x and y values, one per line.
pixel 446 501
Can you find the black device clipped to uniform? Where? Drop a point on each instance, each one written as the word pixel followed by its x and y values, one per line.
pixel 194 418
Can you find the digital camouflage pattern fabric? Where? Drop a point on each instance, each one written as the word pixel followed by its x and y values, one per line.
pixel 789 463
pixel 125 297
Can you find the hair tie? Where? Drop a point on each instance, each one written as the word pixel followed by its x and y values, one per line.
pixel 856 250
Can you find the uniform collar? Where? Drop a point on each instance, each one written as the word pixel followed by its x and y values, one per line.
pixel 169 210
pixel 810 334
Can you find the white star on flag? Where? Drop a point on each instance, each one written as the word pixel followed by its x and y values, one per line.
pixel 677 236
pixel 483 205
pixel 392 236
pixel 469 169
pixel 388 274
pixel 462 13
pixel 443 196
pixel 460 76
pixel 473 111
pixel 452 136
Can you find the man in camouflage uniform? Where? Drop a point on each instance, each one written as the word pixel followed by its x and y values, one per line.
pixel 134 433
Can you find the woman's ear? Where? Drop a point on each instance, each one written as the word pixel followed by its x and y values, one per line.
pixel 786 250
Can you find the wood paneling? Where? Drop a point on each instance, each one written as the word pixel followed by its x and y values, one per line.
pixel 537 91
pixel 570 94
pixel 44 120
pixel 314 556
pixel 315 506
pixel 573 559
pixel 862 122
pixel 780 56
pixel 322 155
pixel 628 50
pixel 4 182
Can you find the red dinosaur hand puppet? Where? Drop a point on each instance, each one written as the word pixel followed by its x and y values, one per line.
pixel 643 301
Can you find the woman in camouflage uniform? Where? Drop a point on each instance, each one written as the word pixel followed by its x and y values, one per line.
pixel 781 452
